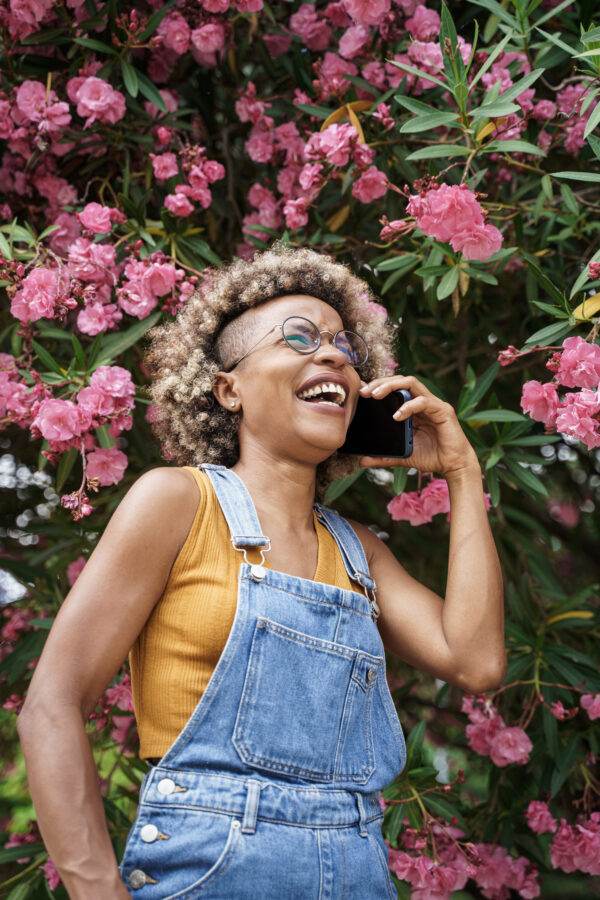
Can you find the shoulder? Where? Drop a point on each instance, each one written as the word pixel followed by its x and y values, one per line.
pixel 371 544
pixel 164 500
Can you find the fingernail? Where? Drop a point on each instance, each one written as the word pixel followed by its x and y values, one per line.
pixel 378 390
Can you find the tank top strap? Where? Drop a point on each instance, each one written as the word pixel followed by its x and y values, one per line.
pixel 237 507
pixel 349 545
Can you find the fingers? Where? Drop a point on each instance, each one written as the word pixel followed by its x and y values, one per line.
pixel 374 462
pixel 381 387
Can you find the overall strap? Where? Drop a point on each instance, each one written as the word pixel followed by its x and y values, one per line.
pixel 237 507
pixel 349 545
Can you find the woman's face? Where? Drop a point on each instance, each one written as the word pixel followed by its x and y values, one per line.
pixel 269 386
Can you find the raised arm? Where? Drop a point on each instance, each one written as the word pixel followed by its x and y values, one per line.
pixel 93 632
pixel 458 638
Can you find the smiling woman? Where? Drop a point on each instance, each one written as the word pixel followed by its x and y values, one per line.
pixel 255 617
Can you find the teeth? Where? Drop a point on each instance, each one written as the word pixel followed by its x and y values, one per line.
pixel 325 388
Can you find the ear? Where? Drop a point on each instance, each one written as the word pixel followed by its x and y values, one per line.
pixel 225 391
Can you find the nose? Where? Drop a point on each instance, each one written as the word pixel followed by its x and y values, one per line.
pixel 328 353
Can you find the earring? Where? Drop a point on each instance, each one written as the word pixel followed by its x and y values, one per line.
pixel 232 403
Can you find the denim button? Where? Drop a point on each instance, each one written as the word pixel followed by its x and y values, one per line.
pixel 257 573
pixel 370 675
pixel 235 823
pixel 166 786
pixel 149 833
pixel 137 879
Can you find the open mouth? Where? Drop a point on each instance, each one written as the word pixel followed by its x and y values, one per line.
pixel 325 393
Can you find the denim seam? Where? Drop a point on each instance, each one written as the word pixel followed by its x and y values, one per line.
pixel 274 587
pixel 262 817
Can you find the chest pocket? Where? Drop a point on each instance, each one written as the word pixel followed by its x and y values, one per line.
pixel 306 706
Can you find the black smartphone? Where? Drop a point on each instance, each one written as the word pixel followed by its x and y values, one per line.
pixel 373 431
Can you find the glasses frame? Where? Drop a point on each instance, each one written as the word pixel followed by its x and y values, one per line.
pixel 305 352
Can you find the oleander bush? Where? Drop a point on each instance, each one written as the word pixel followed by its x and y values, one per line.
pixel 450 155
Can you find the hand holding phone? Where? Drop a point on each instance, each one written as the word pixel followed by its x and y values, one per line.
pixel 373 430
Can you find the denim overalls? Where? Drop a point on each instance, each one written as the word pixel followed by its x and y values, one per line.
pixel 270 792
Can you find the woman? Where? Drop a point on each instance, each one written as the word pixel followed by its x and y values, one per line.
pixel 257 663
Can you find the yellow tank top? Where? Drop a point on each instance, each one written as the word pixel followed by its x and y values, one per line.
pixel 176 652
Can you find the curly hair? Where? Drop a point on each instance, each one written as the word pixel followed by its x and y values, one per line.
pixel 184 355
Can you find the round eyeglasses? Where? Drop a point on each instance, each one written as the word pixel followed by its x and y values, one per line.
pixel 303 336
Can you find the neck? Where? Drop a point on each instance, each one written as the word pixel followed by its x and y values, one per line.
pixel 282 490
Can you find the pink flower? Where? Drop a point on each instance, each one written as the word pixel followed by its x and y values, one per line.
pixel 407 507
pixel 277 44
pixel 424 24
pixel 577 417
pixel 100 102
pixel 477 241
pixel 58 420
pixel 164 165
pixel 260 145
pixel 97 317
pixel 579 364
pixel 539 818
pixel 96 218
pixel 544 110
pixel 36 299
pixel 354 40
pixel 295 213
pixel 40 106
pixel 367 12
pixel 209 38
pixel 178 204
pixel 108 466
pixel 213 170
pixel 510 745
pixel 74 569
pixel 92 262
pixel 115 381
pixel 591 704
pixel 51 875
pixel 371 185
pixel 331 80
pixel 540 401
pixel 334 143
pixel 175 33
pixel 314 31
pixel 566 513
pixel 435 497
pixel 215 6
pixel 68 231
pixel 248 5
pixel 577 846
pixel 443 212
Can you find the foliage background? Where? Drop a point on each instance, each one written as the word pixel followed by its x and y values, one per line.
pixel 453 317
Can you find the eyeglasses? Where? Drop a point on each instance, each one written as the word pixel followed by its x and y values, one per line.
pixel 303 336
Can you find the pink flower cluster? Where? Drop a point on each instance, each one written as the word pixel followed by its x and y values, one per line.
pixel 419 507
pixel 578 413
pixel 200 172
pixel 490 866
pixel 577 847
pixel 145 282
pixel 489 735
pixel 15 397
pixel 118 698
pixel 452 213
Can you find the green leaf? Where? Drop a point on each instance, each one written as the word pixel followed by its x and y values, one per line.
pixel 337 488
pixel 513 92
pixel 549 334
pixel 93 44
pixel 417 72
pixel 587 37
pixel 556 41
pixel 448 283
pixel 14 853
pixel 578 176
pixel 497 10
pixel 114 344
pixel 543 280
pixel 400 479
pixel 130 78
pixel 491 59
pixel 104 439
pixel 514 147
pixel 496 415
pixel 593 121
pixel 437 151
pixel 428 122
pixel 321 112
pixel 78 350
pixel 395 262
pixel 415 740
pixel 150 92
pixel 526 478
pixel 564 763
pixel 67 461
pixel 414 106
pixel 594 143
pixel 155 20
pixel 48 359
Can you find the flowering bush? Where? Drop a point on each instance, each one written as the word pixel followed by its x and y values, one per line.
pixel 450 154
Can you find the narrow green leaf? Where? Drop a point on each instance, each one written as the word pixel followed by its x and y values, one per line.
pixel 400 479
pixel 448 283
pixel 587 37
pixel 150 92
pixel 564 764
pixel 14 853
pixel 47 359
pixel 104 439
pixel 93 44
pixel 495 110
pixel 337 488
pixel 321 112
pixel 495 415
pixel 592 123
pixel 155 20
pixel 554 12
pixel 499 11
pixel 594 142
pixel 114 344
pixel 549 334
pixel 437 151
pixel 526 478
pixel 429 122
pixel 578 176
pixel 130 78
pixel 78 350
pixel 417 72
pixel 395 262
pixel 556 41
pixel 491 59
pixel 514 147
pixel 544 281
pixel 414 106
pixel 67 461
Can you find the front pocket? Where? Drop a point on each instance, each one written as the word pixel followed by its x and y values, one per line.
pixel 193 849
pixel 306 706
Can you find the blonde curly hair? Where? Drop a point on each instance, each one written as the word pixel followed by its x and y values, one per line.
pixel 183 355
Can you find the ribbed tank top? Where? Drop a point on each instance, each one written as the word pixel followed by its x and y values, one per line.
pixel 177 650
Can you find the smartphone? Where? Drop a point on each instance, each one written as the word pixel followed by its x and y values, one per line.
pixel 373 431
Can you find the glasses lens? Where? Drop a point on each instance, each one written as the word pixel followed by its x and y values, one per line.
pixel 301 334
pixel 353 346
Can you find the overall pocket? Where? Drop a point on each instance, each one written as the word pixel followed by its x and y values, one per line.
pixel 182 852
pixel 306 706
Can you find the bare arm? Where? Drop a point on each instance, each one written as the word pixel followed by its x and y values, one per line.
pixel 94 630
pixel 460 638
